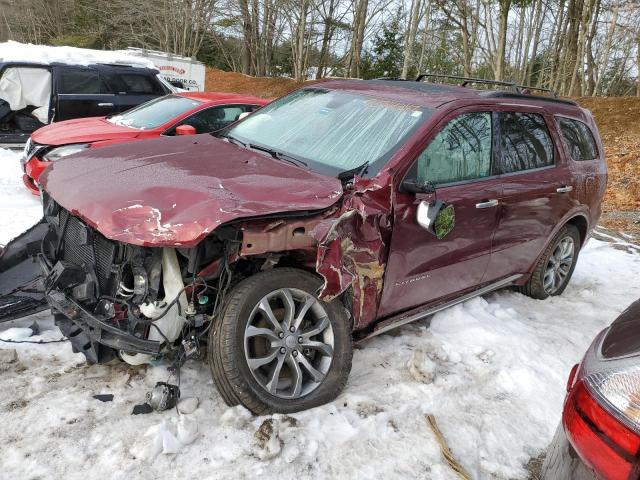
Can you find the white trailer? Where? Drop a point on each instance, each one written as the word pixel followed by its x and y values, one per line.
pixel 175 69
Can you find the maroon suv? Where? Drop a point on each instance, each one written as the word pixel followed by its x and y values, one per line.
pixel 334 214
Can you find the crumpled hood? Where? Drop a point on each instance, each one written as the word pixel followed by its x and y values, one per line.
pixel 82 130
pixel 173 191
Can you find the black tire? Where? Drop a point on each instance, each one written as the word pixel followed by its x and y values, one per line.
pixel 226 346
pixel 534 287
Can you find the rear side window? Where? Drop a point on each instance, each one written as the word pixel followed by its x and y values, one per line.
pixel 139 84
pixel 525 142
pixel 81 81
pixel 461 151
pixel 578 139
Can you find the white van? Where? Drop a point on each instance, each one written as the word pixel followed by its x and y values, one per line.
pixel 181 72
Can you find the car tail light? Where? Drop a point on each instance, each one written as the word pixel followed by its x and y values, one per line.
pixel 602 414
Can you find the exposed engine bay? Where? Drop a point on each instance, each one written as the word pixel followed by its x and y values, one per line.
pixel 137 300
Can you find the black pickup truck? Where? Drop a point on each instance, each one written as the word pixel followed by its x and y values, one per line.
pixel 34 94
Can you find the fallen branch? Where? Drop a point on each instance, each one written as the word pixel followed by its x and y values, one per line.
pixel 446 451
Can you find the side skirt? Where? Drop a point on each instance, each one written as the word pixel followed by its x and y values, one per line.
pixel 404 318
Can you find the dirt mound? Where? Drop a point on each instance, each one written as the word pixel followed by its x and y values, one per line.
pixel 266 87
pixel 618 120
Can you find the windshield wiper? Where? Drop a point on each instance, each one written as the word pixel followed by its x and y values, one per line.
pixel 273 153
pixel 279 155
pixel 347 175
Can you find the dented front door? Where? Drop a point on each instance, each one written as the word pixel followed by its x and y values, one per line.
pixel 423 268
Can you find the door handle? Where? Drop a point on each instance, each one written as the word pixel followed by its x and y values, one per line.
pixel 564 189
pixel 105 104
pixel 487 204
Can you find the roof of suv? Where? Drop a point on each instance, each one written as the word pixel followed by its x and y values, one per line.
pixel 434 94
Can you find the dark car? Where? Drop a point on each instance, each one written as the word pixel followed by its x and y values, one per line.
pixel 35 94
pixel 176 114
pixel 331 215
pixel 599 436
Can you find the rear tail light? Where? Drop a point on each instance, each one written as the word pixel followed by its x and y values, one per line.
pixel 572 377
pixel 602 414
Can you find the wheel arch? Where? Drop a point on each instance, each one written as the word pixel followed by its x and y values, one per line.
pixel 578 219
pixel 582 224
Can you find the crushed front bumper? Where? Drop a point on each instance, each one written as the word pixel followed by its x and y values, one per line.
pixel 87 331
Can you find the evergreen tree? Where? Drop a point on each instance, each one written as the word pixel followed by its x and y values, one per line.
pixel 386 56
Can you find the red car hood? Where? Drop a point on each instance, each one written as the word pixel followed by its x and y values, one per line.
pixel 82 130
pixel 174 191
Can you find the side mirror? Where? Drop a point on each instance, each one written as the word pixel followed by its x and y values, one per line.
pixel 415 186
pixel 436 218
pixel 185 130
pixel 177 84
pixel 243 115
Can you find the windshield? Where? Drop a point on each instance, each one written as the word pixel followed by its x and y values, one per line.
pixel 154 113
pixel 332 130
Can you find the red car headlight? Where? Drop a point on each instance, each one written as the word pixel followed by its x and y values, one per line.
pixel 64 151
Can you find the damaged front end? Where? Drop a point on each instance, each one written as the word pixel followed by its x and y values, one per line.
pixel 137 302
pixel 112 298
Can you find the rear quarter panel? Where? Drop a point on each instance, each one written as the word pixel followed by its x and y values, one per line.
pixel 591 175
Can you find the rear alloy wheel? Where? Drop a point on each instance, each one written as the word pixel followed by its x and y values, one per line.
pixel 559 265
pixel 277 347
pixel 555 267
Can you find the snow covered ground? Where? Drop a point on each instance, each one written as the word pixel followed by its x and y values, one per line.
pixel 19 209
pixel 492 371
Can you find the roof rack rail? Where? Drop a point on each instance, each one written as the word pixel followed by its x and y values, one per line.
pixel 523 89
pixel 465 81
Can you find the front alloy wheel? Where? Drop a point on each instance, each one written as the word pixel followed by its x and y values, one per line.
pixel 288 343
pixel 277 347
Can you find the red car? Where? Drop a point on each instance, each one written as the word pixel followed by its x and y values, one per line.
pixel 166 116
pixel 599 437
pixel 332 215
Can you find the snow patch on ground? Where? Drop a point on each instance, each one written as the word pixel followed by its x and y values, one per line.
pixel 27 52
pixel 492 371
pixel 19 209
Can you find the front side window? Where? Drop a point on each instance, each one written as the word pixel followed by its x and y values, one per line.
pixel 154 113
pixel 460 151
pixel 578 138
pixel 213 119
pixel 332 130
pixel 525 142
pixel 77 81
